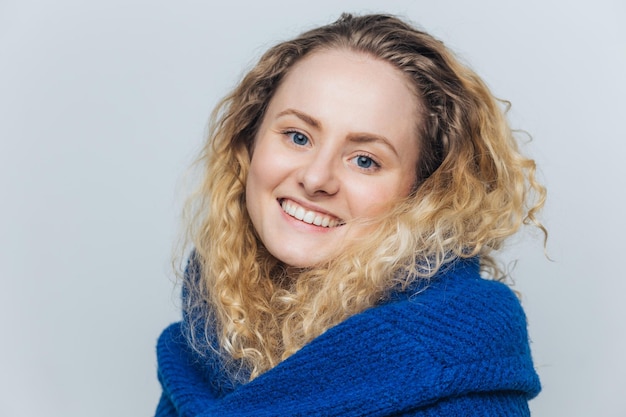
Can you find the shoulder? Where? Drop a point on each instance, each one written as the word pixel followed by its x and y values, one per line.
pixel 459 316
pixel 466 333
pixel 459 334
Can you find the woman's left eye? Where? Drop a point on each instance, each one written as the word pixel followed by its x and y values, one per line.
pixel 365 162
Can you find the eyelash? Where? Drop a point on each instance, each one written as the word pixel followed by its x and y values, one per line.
pixel 375 164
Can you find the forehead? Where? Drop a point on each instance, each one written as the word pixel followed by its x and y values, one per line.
pixel 361 87
pixel 327 62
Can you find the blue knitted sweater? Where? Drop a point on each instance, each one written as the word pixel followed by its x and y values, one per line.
pixel 457 348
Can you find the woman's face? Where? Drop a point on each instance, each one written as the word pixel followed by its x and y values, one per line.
pixel 338 143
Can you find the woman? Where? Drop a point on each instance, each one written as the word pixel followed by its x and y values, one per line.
pixel 355 184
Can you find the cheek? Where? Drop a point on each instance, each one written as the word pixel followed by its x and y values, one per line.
pixel 261 174
pixel 408 185
pixel 258 172
pixel 253 188
pixel 265 173
pixel 373 198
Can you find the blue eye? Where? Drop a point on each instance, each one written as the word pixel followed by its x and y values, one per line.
pixel 298 138
pixel 364 161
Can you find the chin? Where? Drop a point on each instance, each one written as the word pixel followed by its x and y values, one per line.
pixel 301 260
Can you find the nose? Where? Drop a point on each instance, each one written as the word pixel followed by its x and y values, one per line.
pixel 318 175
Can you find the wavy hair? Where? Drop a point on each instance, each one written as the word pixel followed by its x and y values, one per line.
pixel 473 190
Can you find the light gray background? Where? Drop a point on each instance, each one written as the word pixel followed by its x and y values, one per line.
pixel 103 104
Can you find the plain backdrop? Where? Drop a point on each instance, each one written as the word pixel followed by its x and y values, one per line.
pixel 104 104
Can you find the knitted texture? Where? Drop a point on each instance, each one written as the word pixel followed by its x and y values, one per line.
pixel 457 348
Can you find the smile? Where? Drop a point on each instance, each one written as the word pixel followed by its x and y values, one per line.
pixel 308 216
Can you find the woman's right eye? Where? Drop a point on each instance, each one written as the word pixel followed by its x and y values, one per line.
pixel 298 138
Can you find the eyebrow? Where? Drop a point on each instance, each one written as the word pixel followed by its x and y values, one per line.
pixel 371 138
pixel 303 116
pixel 352 137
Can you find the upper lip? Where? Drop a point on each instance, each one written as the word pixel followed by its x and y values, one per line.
pixel 311 207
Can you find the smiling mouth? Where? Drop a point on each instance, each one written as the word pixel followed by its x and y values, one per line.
pixel 308 216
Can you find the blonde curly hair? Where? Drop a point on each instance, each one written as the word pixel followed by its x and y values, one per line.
pixel 473 190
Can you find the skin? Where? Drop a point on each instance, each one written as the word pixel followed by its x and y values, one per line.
pixel 338 143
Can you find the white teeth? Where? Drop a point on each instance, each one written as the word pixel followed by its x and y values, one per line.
pixel 299 213
pixel 309 217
